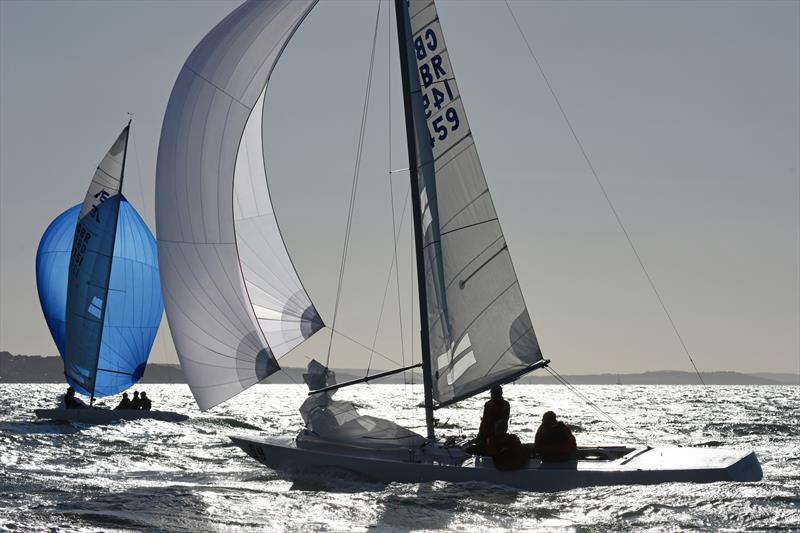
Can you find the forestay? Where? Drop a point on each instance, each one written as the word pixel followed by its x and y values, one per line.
pixel 234 301
pixel 90 268
pixel 479 327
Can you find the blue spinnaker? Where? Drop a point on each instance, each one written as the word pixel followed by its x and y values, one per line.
pixel 134 304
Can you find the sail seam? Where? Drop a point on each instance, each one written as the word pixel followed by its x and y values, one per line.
pixel 448 232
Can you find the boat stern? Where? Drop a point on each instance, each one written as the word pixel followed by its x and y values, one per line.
pixel 748 468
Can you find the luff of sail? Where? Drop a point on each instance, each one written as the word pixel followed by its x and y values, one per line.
pixel 480 332
pixel 234 301
pixel 90 267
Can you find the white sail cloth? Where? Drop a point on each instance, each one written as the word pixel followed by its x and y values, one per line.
pixel 480 330
pixel 233 299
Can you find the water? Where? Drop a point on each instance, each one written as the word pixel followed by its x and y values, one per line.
pixel 152 475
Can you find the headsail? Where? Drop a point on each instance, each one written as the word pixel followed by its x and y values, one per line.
pixel 90 267
pixel 134 305
pixel 480 332
pixel 234 301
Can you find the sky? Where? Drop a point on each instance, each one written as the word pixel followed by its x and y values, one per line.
pixel 688 111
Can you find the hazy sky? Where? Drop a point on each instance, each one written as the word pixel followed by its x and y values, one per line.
pixel 689 111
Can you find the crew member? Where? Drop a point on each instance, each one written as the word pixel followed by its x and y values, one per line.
pixel 554 441
pixel 124 404
pixel 507 451
pixel 146 405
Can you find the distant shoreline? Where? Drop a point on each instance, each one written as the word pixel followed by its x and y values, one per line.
pixel 49 369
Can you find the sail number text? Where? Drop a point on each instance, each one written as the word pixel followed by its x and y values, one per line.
pixel 437 90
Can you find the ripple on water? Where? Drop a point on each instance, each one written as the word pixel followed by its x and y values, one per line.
pixel 189 477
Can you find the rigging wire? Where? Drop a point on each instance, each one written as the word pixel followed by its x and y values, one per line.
pixel 605 194
pixel 354 186
pixel 561 379
pixel 394 264
pixel 394 228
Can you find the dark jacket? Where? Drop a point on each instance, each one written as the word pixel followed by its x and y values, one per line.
pixel 136 403
pixel 124 404
pixel 493 411
pixel 555 442
pixel 507 452
pixel 146 404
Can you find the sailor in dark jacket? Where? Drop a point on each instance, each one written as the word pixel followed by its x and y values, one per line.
pixel 124 403
pixel 554 441
pixel 507 451
pixel 146 404
pixel 497 409
pixel 136 403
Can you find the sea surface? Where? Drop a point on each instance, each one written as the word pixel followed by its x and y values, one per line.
pixel 149 475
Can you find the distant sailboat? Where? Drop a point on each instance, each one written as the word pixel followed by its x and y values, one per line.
pixel 98 283
pixel 236 305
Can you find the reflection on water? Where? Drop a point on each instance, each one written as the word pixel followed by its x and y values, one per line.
pixel 147 474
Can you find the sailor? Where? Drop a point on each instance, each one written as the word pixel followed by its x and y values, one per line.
pixel 495 410
pixel 124 404
pixel 554 441
pixel 136 403
pixel 507 451
pixel 71 402
pixel 146 405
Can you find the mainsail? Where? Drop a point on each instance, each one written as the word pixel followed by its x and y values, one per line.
pixel 479 330
pixel 134 307
pixel 234 301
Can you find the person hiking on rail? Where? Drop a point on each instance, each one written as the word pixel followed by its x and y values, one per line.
pixel 554 440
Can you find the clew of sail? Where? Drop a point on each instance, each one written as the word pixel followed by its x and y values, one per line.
pixel 480 333
pixel 233 299
pixel 90 268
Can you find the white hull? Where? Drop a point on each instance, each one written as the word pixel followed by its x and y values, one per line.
pixel 641 466
pixel 106 416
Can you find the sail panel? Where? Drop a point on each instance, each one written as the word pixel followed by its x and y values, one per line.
pixel 225 270
pixel 479 327
pixel 282 307
pixel 90 267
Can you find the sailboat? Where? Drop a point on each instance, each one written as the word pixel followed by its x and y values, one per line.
pixel 236 305
pixel 100 292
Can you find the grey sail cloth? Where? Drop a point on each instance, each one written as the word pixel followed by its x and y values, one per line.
pixel 480 330
pixel 90 267
pixel 339 422
pixel 233 299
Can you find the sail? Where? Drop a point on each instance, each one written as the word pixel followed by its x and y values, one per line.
pixel 480 333
pixel 233 298
pixel 134 306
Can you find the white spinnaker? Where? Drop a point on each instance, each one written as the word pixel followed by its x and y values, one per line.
pixel 479 327
pixel 282 307
pixel 212 295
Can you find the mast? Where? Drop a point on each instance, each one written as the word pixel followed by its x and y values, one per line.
pixel 108 277
pixel 403 23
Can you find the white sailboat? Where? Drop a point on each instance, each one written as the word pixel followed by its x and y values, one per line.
pixel 236 305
